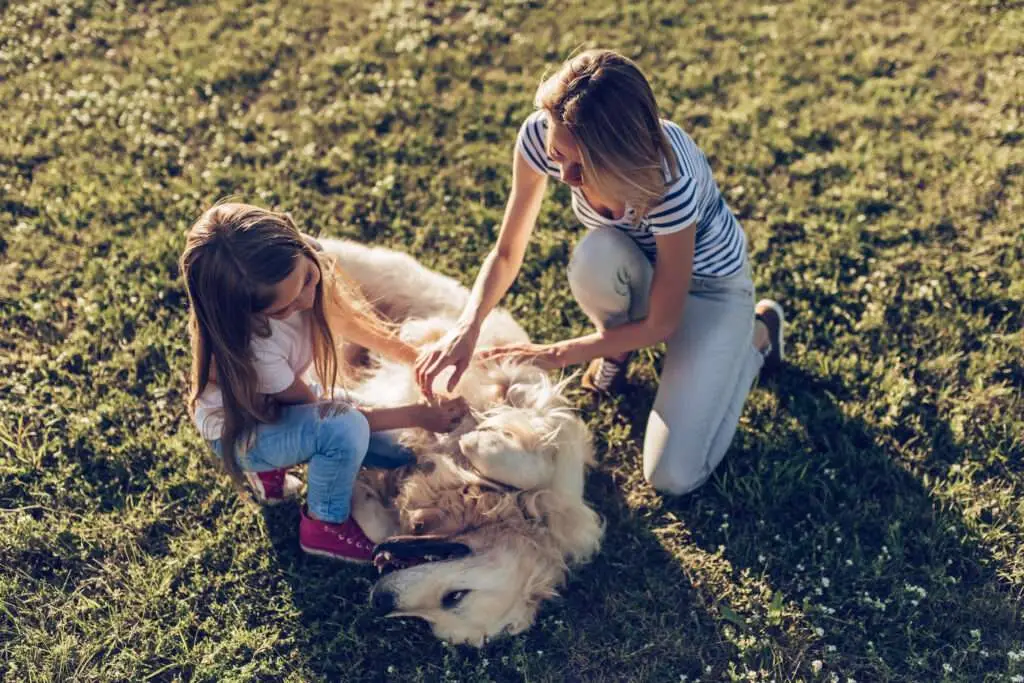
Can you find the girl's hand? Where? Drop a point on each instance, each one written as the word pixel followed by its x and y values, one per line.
pixel 546 357
pixel 455 348
pixel 442 417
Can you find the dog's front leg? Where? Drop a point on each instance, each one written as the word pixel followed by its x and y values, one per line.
pixel 519 469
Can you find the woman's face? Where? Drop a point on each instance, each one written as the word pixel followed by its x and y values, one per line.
pixel 296 292
pixel 564 151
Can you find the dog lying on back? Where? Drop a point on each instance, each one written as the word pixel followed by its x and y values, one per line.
pixel 485 526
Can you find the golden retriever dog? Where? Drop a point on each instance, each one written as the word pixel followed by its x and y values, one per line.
pixel 484 527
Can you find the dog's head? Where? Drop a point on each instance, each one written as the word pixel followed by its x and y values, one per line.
pixel 476 562
pixel 471 587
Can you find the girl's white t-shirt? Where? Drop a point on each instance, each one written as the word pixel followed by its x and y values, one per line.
pixel 277 359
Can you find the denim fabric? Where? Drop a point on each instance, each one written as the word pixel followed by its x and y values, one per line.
pixel 710 360
pixel 332 438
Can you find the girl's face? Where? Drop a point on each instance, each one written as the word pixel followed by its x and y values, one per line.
pixel 295 293
pixel 563 150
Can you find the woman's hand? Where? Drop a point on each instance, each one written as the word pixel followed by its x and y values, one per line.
pixel 455 348
pixel 544 356
pixel 443 416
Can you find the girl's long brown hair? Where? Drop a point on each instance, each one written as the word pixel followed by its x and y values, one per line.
pixel 607 104
pixel 234 256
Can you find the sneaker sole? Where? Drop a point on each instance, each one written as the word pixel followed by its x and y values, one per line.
pixel 775 306
pixel 271 502
pixel 332 556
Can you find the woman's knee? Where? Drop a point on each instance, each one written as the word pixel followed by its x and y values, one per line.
pixel 343 429
pixel 605 269
pixel 671 467
pixel 675 481
pixel 596 256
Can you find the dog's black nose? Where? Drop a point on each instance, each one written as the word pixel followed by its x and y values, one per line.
pixel 383 602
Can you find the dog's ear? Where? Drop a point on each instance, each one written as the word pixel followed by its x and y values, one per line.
pixel 542 584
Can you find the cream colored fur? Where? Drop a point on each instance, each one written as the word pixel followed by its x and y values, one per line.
pixel 508 482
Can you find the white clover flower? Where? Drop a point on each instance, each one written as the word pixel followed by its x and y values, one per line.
pixel 816 666
pixel 819 631
pixel 825 581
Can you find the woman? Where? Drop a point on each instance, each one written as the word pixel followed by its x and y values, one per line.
pixel 664 260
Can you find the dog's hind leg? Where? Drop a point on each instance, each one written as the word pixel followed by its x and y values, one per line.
pixel 377 521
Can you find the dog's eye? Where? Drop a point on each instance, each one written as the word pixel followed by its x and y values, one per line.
pixel 451 599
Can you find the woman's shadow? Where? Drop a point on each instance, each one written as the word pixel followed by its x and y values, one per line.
pixel 810 535
pixel 865 566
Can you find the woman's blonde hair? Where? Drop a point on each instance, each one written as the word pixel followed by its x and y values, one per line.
pixel 605 101
pixel 234 256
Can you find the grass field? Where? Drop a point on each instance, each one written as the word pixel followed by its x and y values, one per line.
pixel 868 523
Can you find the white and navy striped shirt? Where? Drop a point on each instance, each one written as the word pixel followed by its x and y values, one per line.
pixel 692 197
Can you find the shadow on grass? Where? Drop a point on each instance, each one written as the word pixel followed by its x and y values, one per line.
pixel 818 509
pixel 818 504
pixel 618 618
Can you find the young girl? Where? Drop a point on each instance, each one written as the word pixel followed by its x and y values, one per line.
pixel 265 306
pixel 665 260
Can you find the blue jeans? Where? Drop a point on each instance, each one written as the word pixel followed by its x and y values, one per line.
pixel 334 441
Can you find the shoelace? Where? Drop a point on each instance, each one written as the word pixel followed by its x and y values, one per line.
pixel 606 374
pixel 354 542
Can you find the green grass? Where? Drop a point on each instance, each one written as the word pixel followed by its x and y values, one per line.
pixel 868 523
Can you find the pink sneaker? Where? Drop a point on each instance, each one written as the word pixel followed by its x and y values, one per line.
pixel 274 486
pixel 345 541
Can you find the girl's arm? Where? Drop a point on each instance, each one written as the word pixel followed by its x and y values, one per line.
pixel 669 288
pixel 497 274
pixel 357 323
pixel 441 417
pixel 362 327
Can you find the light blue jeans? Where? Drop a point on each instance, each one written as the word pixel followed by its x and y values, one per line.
pixel 334 439
pixel 710 360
